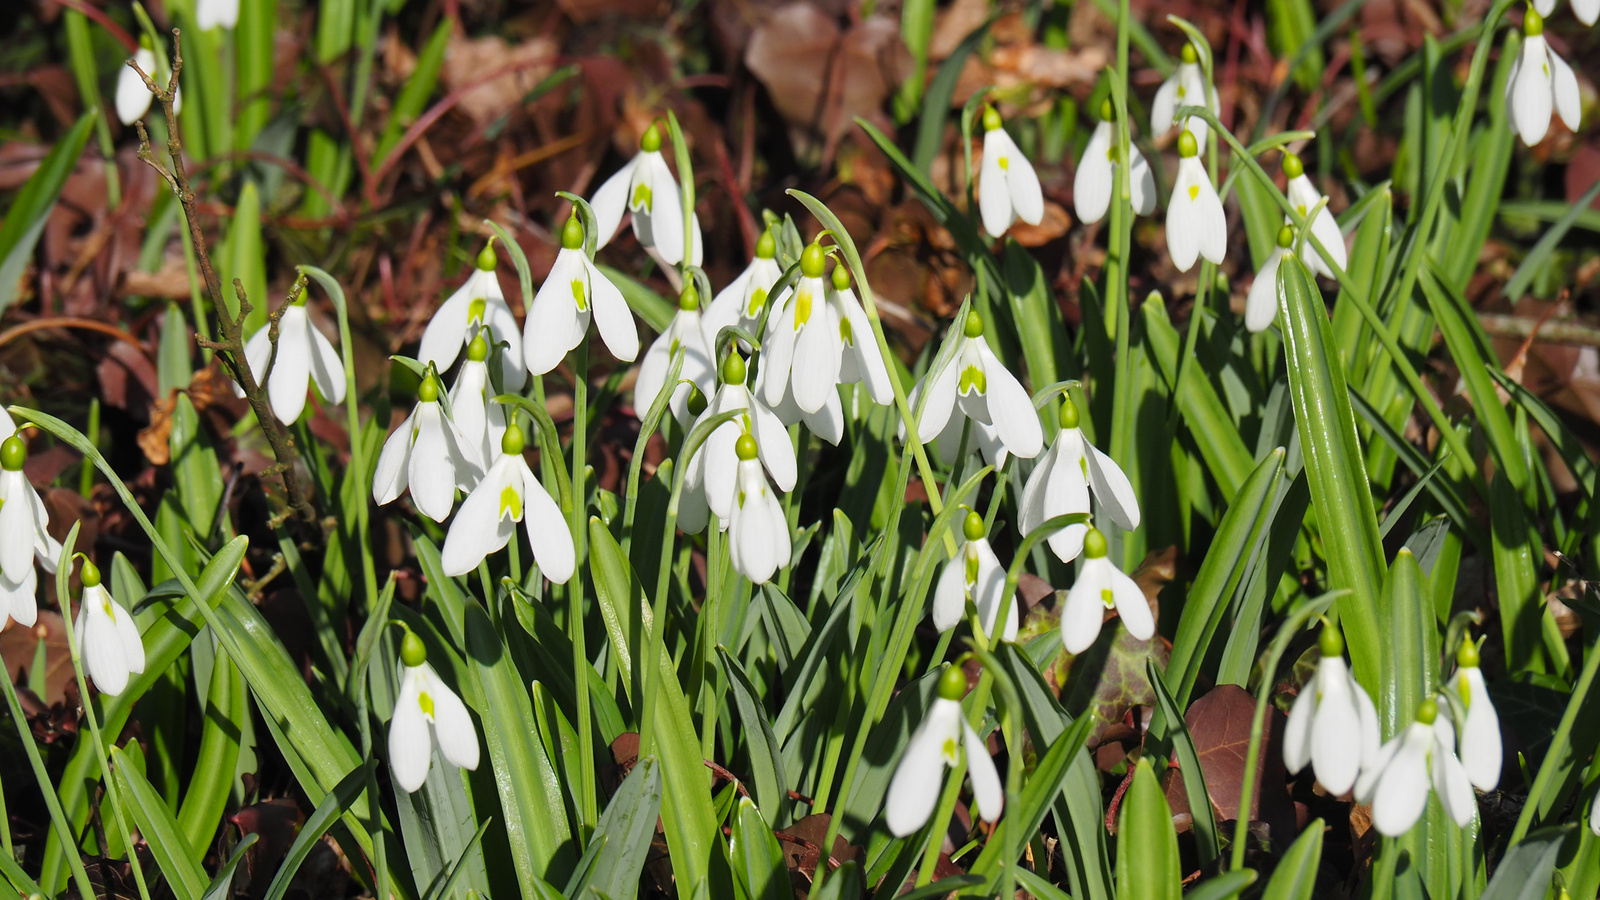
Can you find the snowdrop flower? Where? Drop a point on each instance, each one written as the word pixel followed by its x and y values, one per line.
pixel 133 95
pixel 1008 188
pixel 826 423
pixel 937 744
pixel 23 537
pixel 1102 586
pixel 804 351
pixel 429 455
pixel 209 14
pixel 861 360
pixel 1333 724
pixel 977 384
pixel 758 533
pixel 508 494
pixel 108 638
pixel 1096 177
pixel 478 305
pixel 646 187
pixel 1261 304
pixel 1185 87
pixel 574 292
pixel 304 357
pixel 7 427
pixel 975 574
pixel 712 481
pixel 1304 196
pixel 425 700
pixel 1196 225
pixel 1396 784
pixel 1540 80
pixel 480 421
pixel 1480 732
pixel 1060 485
pixel 740 303
pixel 683 332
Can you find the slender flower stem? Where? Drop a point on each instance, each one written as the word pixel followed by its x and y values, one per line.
pixel 579 523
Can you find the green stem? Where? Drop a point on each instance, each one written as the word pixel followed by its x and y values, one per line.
pixel 580 659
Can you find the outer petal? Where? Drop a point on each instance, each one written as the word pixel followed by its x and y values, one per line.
pixel 950 595
pixel 778 351
pixel 327 367
pixel 913 790
pixel 394 463
pixel 1092 183
pixel 132 642
pixel 653 372
pixel 452 726
pixel 432 481
pixel 720 468
pixel 18 599
pixel 1010 407
pixel 1183 220
pixel 941 388
pixel 1192 92
pixel 502 326
pixel 1031 508
pixel 553 319
pixel 1112 488
pixel 410 748
pixel 1367 782
pixel 986 791
pixel 1594 805
pixel 994 195
pixel 1587 12
pixel 826 423
pixel 467 405
pixel 609 203
pixel 1141 183
pixel 990 594
pixel 1163 106
pixel 1371 734
pixel 446 333
pixel 1068 492
pixel 1213 221
pixel 291 371
pixel 772 443
pixel 1335 729
pixel 1402 789
pixel 1480 733
pixel 1569 105
pixel 1545 7
pixel 1084 609
pixel 1131 605
pixel 479 528
pixel 611 315
pixel 7 427
pixel 1454 787
pixel 1022 181
pixel 16 526
pixel 666 209
pixel 1533 92
pixel 727 308
pixel 1261 305
pixel 133 97
pixel 1297 731
pixel 46 549
pixel 102 648
pixel 869 362
pixel 547 530
pixel 818 352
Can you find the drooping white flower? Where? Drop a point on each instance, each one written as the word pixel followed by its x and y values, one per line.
pixel 1184 87
pixel 1333 724
pixel 861 360
pixel 478 305
pixel 429 455
pixel 1540 80
pixel 1096 178
pixel 133 95
pixel 939 743
pixel 1587 11
pixel 685 332
pixel 975 383
pixel 23 537
pixel 1261 304
pixel 304 357
pixel 1102 586
pixel 575 292
pixel 1196 224
pixel 1304 196
pixel 975 574
pixel 1008 188
pixel 480 421
pixel 646 187
pixel 1060 485
pixel 711 483
pixel 509 493
pixel 758 533
pixel 740 303
pixel 425 703
pixel 1396 784
pixel 803 350
pixel 108 638
pixel 1480 732
pixel 826 423
pixel 208 14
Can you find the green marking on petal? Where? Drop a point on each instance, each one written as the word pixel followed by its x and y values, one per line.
pixel 802 308
pixel 641 198
pixel 1194 192
pixel 426 702
pixel 758 299
pixel 741 498
pixel 111 610
pixel 475 310
pixel 578 294
pixel 1465 690
pixel 1107 599
pixel 972 570
pixel 973 379
pixel 846 333
pixel 510 502
pixel 1083 463
pixel 950 750
pixel 1005 163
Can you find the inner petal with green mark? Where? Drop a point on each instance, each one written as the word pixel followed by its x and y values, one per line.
pixel 1466 693
pixel 476 309
pixel 510 502
pixel 758 299
pixel 971 572
pixel 1004 163
pixel 802 308
pixel 641 197
pixel 846 333
pixel 111 611
pixel 579 292
pixel 1194 192
pixel 426 703
pixel 1107 599
pixel 972 379
pixel 950 751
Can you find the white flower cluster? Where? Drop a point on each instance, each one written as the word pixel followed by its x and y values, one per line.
pixel 1333 726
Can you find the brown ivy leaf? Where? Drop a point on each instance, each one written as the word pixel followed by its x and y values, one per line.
pixel 18 646
pixel 1219 723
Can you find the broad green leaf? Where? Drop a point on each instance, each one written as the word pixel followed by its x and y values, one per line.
pixel 1147 845
pixel 1411 654
pixel 766 755
pixel 172 851
pixel 1194 783
pixel 211 780
pixel 1524 872
pixel 627 826
pixel 1296 875
pixel 757 859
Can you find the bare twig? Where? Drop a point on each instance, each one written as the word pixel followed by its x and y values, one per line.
pixel 231 347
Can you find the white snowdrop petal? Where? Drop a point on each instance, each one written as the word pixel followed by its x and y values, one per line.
pixel 1084 608
pixel 1545 7
pixel 1367 781
pixel 987 794
pixel 720 468
pixel 452 725
pixel 1164 106
pixel 1564 84
pixel 869 358
pixel 18 599
pixel 133 96
pixel 327 367
pixel 502 326
pixel 1112 489
pixel 941 391
pixel 1454 788
pixel 16 525
pixel 990 593
pixel 1402 790
pixel 1031 508
pixel 914 789
pixel 1594 805
pixel 479 529
pixel 773 445
pixel 291 371
pixel 102 648
pixel 1183 239
pixel 1212 221
pixel 132 642
pixel 257 351
pixel 553 316
pixel 1132 607
pixel 1261 304
pixel 1141 183
pixel 1532 94
pixel 994 195
pixel 826 423
pixel 1093 183
pixel 653 372
pixel 1480 733
pixel 666 210
pixel 1371 733
pixel 548 534
pixel 779 349
pixel 432 482
pixel 446 333
pixel 410 747
pixel 394 463
pixel 1297 730
pixel 817 355
pixel 1587 11
pixel 950 594
pixel 610 201
pixel 1335 729
pixel 612 318
pixel 1027 198
pixel 1010 407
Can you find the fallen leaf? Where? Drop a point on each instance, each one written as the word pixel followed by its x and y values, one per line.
pixel 1219 724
